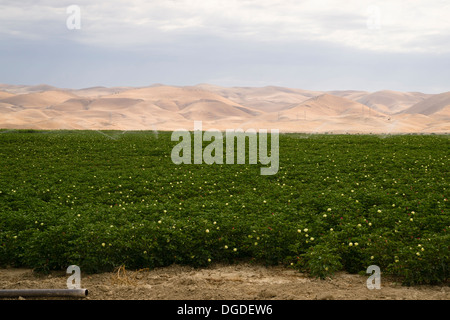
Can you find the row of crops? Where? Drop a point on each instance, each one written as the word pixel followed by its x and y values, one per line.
pixel 101 200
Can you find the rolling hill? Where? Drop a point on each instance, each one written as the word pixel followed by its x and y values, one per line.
pixel 163 107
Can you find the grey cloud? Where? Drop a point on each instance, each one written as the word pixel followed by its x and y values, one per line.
pixel 112 48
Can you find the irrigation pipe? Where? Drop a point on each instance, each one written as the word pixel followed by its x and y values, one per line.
pixel 69 293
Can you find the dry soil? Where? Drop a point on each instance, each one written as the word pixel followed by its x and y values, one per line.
pixel 224 282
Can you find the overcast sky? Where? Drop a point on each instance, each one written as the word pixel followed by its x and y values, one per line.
pixel 319 44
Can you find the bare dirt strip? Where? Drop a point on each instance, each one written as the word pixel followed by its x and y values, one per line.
pixel 221 282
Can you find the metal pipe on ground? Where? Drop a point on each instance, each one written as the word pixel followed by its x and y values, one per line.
pixel 56 293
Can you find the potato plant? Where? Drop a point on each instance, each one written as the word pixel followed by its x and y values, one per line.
pixel 338 202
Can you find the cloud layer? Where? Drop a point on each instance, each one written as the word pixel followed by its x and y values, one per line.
pixel 176 33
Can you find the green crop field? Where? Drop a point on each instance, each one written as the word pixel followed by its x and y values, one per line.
pixel 101 200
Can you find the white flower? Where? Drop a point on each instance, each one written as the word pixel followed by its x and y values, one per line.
pixel 207 230
pixel 350 244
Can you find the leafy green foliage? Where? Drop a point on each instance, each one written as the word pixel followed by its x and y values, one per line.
pixel 336 203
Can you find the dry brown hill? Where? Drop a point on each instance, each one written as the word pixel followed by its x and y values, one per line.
pixel 162 107
pixel 267 99
pixel 431 105
pixel 327 105
pixel 390 102
pixel 4 95
pixel 39 99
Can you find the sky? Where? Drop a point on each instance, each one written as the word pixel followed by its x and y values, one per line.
pixel 374 45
